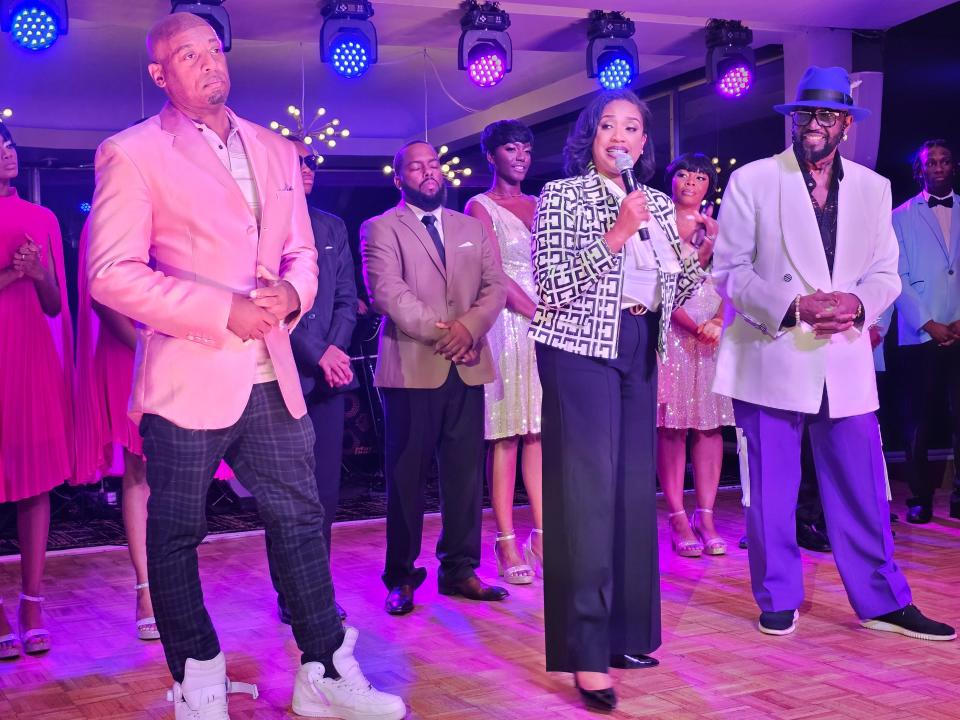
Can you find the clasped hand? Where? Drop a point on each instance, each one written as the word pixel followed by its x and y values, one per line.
pixel 456 344
pixel 251 318
pixel 829 313
pixel 26 260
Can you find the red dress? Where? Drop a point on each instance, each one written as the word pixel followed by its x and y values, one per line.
pixel 36 416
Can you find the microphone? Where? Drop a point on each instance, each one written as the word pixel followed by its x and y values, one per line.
pixel 625 165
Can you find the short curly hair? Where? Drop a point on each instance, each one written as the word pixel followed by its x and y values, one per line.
pixel 693 162
pixel 578 151
pixel 927 144
pixel 502 132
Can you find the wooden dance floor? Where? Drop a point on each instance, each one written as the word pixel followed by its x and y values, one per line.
pixel 456 660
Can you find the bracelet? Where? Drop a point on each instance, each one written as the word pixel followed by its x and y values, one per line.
pixel 796 311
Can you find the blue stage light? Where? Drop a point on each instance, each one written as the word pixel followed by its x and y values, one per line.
pixel 350 55
pixel 348 40
pixel 85 207
pixel 35 24
pixel 615 70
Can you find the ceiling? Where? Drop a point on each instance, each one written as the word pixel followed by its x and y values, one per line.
pixel 93 81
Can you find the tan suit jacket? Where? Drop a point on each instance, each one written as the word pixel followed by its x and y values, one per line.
pixel 410 286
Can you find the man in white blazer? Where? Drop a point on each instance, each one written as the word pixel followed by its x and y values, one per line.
pixel 808 259
pixel 928 230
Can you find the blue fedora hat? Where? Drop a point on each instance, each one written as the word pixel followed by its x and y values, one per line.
pixel 824 88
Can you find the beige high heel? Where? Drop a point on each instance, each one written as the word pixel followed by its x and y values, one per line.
pixel 146 627
pixel 34 641
pixel 9 645
pixel 715 545
pixel 534 559
pixel 683 548
pixel 519 574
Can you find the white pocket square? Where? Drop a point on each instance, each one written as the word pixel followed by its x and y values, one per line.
pixel 466 244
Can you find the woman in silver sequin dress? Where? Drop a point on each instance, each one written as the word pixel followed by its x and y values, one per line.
pixel 685 403
pixel 513 399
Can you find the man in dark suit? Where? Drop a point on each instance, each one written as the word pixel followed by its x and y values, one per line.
pixel 928 231
pixel 320 344
pixel 431 272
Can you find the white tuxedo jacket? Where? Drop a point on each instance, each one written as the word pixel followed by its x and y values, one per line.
pixel 769 251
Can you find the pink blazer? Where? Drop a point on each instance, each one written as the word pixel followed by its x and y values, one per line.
pixel 172 239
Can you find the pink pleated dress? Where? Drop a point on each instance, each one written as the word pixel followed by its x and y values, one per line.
pixel 36 370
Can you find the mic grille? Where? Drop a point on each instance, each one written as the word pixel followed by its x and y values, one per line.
pixel 623 161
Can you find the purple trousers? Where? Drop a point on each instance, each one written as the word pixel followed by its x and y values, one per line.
pixel 850 473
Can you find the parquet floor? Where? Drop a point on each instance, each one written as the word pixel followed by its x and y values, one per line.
pixel 456 660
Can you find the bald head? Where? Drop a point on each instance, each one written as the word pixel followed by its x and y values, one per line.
pixel 168 27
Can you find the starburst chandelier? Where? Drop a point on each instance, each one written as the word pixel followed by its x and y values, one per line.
pixel 321 131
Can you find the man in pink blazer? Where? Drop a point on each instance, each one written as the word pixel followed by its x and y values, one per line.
pixel 200 233
pixel 432 273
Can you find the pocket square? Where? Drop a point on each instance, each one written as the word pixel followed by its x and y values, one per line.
pixel 328 247
pixel 466 244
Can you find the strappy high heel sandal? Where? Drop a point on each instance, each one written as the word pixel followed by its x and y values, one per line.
pixel 683 548
pixel 715 545
pixel 9 645
pixel 146 627
pixel 534 559
pixel 34 641
pixel 519 574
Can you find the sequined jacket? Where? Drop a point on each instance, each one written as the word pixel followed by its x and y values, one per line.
pixel 579 279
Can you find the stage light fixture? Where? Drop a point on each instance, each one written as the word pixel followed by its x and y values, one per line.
pixel 348 40
pixel 611 53
pixel 485 48
pixel 34 24
pixel 731 65
pixel 213 12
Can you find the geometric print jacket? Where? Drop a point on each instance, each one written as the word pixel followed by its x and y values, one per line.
pixel 579 280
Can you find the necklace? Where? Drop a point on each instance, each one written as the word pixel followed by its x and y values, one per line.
pixel 491 193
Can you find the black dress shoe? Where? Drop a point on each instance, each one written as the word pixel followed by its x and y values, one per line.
pixel 811 537
pixel 399 600
pixel 605 699
pixel 473 588
pixel 919 514
pixel 743 542
pixel 633 662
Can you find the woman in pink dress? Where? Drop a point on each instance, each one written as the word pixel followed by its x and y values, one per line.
pixel 106 342
pixel 685 402
pixel 36 347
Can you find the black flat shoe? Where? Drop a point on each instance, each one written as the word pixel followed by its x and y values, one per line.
pixel 604 700
pixel 919 515
pixel 633 662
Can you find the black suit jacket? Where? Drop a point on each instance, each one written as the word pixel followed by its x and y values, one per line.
pixel 333 316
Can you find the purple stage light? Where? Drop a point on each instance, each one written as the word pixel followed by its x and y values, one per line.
pixel 736 81
pixel 486 65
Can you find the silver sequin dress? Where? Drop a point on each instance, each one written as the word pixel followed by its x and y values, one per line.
pixel 684 397
pixel 512 401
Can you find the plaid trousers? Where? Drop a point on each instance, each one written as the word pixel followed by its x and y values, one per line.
pixel 272 455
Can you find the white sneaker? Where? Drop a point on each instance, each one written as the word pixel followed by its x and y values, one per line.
pixel 203 694
pixel 349 698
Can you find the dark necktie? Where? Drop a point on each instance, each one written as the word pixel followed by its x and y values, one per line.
pixel 430 222
pixel 947 202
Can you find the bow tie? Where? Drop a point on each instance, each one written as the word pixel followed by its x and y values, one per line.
pixel 947 202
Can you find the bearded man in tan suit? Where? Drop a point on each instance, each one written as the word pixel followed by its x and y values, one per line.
pixel 431 272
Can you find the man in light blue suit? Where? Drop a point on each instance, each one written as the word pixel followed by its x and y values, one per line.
pixel 928 231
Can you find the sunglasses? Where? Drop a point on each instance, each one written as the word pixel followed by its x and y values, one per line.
pixel 310 161
pixel 825 118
